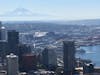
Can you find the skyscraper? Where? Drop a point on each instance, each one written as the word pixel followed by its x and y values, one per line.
pixel 0 30
pixel 3 41
pixel 3 50
pixel 3 32
pixel 69 57
pixel 13 37
pixel 13 40
pixel 28 62
pixel 0 23
pixel 49 58
pixel 12 64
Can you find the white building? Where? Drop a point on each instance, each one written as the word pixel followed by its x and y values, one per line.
pixel 12 64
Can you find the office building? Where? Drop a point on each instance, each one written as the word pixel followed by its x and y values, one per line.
pixel 23 49
pixel 13 37
pixel 0 30
pixel 69 57
pixel 3 49
pixel 49 58
pixel 3 33
pixel 0 23
pixel 13 41
pixel 28 62
pixel 12 64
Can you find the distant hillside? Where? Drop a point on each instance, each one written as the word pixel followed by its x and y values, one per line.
pixel 81 22
pixel 73 22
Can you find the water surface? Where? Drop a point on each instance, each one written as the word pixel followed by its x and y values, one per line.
pixel 92 53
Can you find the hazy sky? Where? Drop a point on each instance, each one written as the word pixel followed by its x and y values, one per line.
pixel 55 9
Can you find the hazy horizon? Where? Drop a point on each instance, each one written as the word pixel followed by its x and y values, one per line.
pixel 49 10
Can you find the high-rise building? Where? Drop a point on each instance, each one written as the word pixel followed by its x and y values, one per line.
pixel 12 64
pixel 13 37
pixel 28 62
pixel 69 57
pixel 3 32
pixel 0 30
pixel 3 49
pixel 13 40
pixel 49 57
pixel 3 41
pixel 0 22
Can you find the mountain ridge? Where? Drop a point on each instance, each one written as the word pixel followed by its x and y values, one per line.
pixel 23 12
pixel 61 22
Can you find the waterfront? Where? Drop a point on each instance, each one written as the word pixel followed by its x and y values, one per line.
pixel 92 53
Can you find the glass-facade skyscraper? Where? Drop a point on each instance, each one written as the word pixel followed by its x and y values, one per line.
pixel 69 57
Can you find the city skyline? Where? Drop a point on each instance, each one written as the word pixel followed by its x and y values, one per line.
pixel 51 9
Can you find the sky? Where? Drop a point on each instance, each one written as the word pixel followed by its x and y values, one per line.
pixel 52 9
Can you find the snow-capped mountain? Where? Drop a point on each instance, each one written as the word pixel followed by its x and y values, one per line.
pixel 21 12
